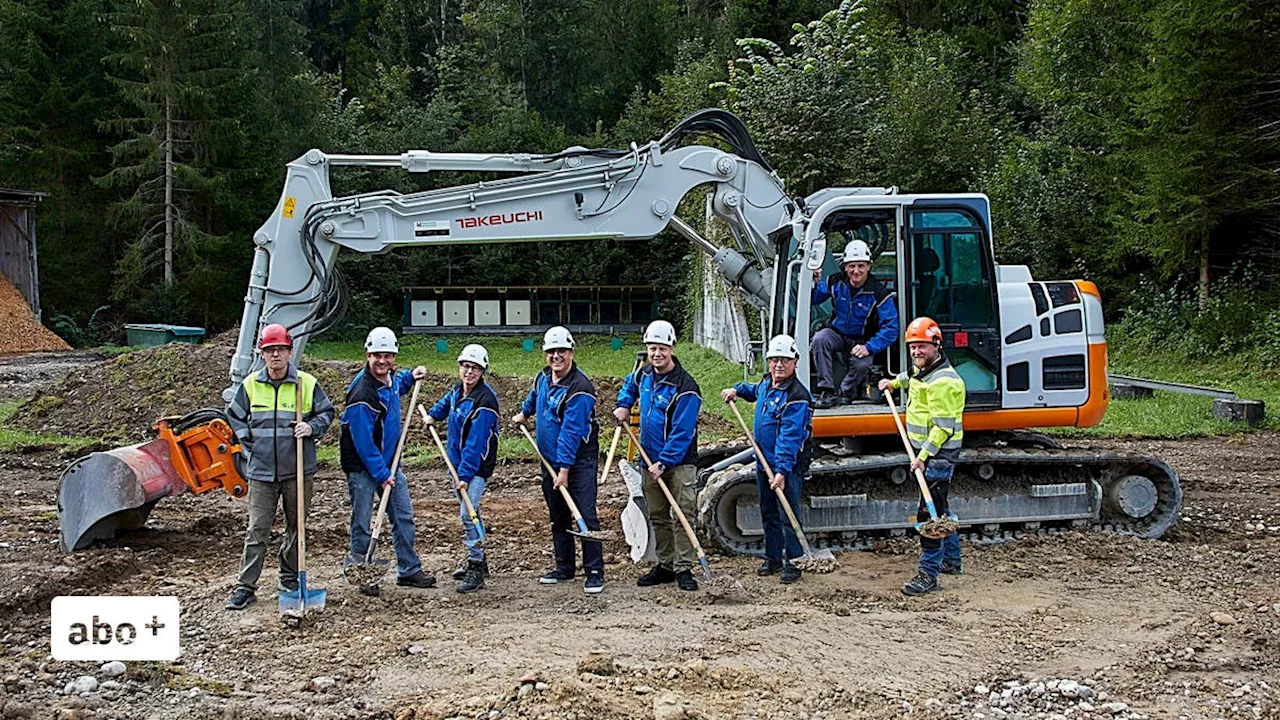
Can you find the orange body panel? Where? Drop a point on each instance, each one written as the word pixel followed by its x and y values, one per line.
pixel 204 457
pixel 1086 415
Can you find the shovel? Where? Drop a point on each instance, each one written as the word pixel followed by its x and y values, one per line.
pixel 935 528
pixel 717 580
pixel 582 531
pixel 296 603
pixel 822 561
pixel 457 484
pixel 370 571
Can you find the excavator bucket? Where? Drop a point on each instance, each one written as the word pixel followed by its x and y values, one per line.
pixel 105 492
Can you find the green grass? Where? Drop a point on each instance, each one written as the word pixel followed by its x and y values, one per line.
pixel 13 439
pixel 1170 415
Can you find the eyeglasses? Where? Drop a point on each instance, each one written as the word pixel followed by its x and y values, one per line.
pixel 558 351
pixel 276 350
pixel 780 360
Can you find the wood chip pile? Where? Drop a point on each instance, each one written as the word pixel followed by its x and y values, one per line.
pixel 20 332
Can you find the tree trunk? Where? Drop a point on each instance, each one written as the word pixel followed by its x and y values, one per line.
pixel 1204 273
pixel 168 191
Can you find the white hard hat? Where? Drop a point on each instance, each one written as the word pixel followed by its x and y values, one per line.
pixel 381 339
pixel 856 251
pixel 783 346
pixel 557 338
pixel 660 332
pixel 475 354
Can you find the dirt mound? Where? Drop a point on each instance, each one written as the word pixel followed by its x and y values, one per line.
pixel 20 332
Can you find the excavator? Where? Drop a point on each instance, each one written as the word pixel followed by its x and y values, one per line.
pixel 1032 352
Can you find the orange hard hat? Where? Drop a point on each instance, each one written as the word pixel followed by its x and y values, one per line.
pixel 924 329
pixel 273 335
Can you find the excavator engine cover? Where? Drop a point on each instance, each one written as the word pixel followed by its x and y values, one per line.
pixel 104 492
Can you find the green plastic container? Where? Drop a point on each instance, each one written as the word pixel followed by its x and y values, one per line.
pixel 151 335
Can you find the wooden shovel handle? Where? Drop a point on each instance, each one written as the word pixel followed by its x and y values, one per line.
pixel 395 465
pixel 906 443
pixel 768 471
pixel 684 522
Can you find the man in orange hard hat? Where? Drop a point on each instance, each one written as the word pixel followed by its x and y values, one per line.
pixel 262 414
pixel 935 427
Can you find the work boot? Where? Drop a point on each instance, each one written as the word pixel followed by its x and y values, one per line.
pixel 372 590
pixel 921 584
pixel 417 580
pixel 769 567
pixel 657 575
pixel 557 576
pixel 595 582
pixel 685 580
pixel 240 598
pixel 461 572
pixel 951 567
pixel 474 578
pixel 825 399
pixel 790 574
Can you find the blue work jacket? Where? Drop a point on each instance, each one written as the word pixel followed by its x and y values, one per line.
pixel 784 422
pixel 868 314
pixel 371 423
pixel 669 406
pixel 568 433
pixel 472 439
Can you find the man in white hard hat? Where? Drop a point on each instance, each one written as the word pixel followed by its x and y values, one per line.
pixel 670 400
pixel 864 321
pixel 370 433
pixel 472 446
pixel 783 429
pixel 564 402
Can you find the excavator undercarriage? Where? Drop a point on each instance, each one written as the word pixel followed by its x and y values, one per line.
pixel 1002 488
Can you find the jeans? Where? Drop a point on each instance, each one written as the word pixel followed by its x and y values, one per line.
pixel 582 488
pixel 937 475
pixel 832 361
pixel 777 527
pixel 471 536
pixel 263 499
pixel 675 552
pixel 365 494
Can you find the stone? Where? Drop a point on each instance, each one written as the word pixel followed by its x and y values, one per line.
pixel 416 649
pixel 541 686
pixel 643 689
pixel 110 685
pixel 81 685
pixel 1222 618
pixel 530 677
pixel 324 683
pixel 699 666
pixel 1115 708
pixel 1069 688
pixel 667 707
pixel 980 690
pixel 524 690
pixel 597 664
pixel 115 668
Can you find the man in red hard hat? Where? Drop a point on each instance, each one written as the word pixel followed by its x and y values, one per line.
pixel 262 414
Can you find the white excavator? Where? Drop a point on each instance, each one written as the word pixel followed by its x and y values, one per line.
pixel 1032 353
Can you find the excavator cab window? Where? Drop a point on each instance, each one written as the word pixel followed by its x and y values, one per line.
pixel 952 282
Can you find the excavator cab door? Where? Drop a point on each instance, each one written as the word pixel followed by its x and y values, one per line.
pixel 950 277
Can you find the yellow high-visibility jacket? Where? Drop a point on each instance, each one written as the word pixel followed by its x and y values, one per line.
pixel 935 409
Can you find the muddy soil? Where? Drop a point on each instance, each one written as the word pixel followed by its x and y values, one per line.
pixel 1187 626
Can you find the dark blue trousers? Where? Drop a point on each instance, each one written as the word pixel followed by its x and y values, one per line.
pixel 582 488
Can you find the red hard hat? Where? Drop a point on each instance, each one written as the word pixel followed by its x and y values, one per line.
pixel 274 334
pixel 924 329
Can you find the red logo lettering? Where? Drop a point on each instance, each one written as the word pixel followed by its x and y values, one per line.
pixel 467 223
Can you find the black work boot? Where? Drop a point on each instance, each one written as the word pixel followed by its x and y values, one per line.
pixel 657 575
pixel 417 580
pixel 372 590
pixel 790 574
pixel 461 572
pixel 240 598
pixel 922 583
pixel 769 567
pixel 951 567
pixel 474 578
pixel 825 399
pixel 686 581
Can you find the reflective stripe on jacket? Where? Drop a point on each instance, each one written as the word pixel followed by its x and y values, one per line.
pixel 935 410
pixel 568 433
pixel 472 442
pixel 262 416
pixel 669 406
pixel 783 423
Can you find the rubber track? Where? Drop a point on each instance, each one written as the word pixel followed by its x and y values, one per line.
pixel 1089 466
